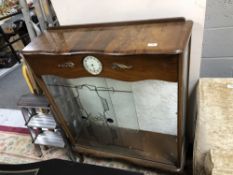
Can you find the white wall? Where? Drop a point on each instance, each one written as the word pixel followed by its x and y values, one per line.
pixel 92 11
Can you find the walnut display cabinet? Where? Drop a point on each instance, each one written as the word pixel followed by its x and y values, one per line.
pixel 119 90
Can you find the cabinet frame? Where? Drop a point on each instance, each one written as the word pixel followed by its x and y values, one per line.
pixel 177 61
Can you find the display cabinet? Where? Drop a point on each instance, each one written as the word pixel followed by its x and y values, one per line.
pixel 119 90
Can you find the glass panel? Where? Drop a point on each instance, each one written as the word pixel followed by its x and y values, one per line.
pixel 133 118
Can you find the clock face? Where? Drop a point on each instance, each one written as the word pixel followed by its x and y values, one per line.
pixel 92 65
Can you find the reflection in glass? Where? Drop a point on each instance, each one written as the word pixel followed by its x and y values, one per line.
pixel 104 111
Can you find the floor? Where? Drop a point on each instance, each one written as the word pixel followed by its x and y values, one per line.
pixel 6 71
pixel 12 86
pixel 11 117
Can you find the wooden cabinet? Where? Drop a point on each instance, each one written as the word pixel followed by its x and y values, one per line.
pixel 119 90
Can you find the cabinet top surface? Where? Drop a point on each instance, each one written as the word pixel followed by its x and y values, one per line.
pixel 123 38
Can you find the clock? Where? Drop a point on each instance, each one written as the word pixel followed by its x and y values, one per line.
pixel 92 65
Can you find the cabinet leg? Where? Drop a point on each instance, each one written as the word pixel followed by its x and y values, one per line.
pixel 73 157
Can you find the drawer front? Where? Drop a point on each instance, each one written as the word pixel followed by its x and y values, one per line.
pixel 126 68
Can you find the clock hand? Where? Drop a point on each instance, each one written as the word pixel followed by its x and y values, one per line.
pixel 93 67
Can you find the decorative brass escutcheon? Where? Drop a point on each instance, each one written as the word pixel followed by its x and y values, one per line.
pixel 121 66
pixel 68 64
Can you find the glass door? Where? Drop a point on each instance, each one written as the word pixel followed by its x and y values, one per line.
pixel 136 119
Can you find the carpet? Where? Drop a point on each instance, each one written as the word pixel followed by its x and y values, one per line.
pixel 16 147
pixel 14 129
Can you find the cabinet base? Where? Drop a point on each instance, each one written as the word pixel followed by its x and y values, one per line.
pixel 80 149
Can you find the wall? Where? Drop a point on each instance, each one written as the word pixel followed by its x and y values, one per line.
pixel 218 39
pixel 92 11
